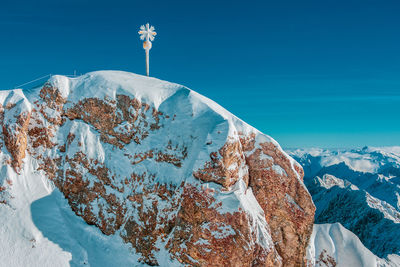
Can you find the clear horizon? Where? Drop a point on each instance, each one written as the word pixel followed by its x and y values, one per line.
pixel 309 74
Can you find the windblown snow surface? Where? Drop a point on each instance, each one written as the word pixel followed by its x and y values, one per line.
pixel 357 196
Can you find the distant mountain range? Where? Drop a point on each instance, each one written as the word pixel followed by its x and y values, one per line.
pixel 360 189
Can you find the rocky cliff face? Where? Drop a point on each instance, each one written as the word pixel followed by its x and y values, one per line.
pixel 175 176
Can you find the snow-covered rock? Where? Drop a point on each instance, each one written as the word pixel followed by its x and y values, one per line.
pixel 116 169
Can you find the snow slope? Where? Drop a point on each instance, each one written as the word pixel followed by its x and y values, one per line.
pixel 334 245
pixel 38 228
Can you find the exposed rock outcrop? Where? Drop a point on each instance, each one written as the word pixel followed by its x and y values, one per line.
pixel 167 170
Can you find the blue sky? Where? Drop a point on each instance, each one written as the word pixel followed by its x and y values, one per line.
pixel 308 73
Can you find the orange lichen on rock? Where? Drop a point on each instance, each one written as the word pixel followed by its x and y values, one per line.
pixel 174 156
pixel 15 139
pixel 51 100
pixel 155 206
pixel 82 195
pixel 288 207
pixel 52 97
pixel 224 166
pixel 119 122
pixel 325 260
pixel 40 136
pixel 205 237
pixel 276 184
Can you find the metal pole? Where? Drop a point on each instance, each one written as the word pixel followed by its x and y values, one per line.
pixel 147 62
